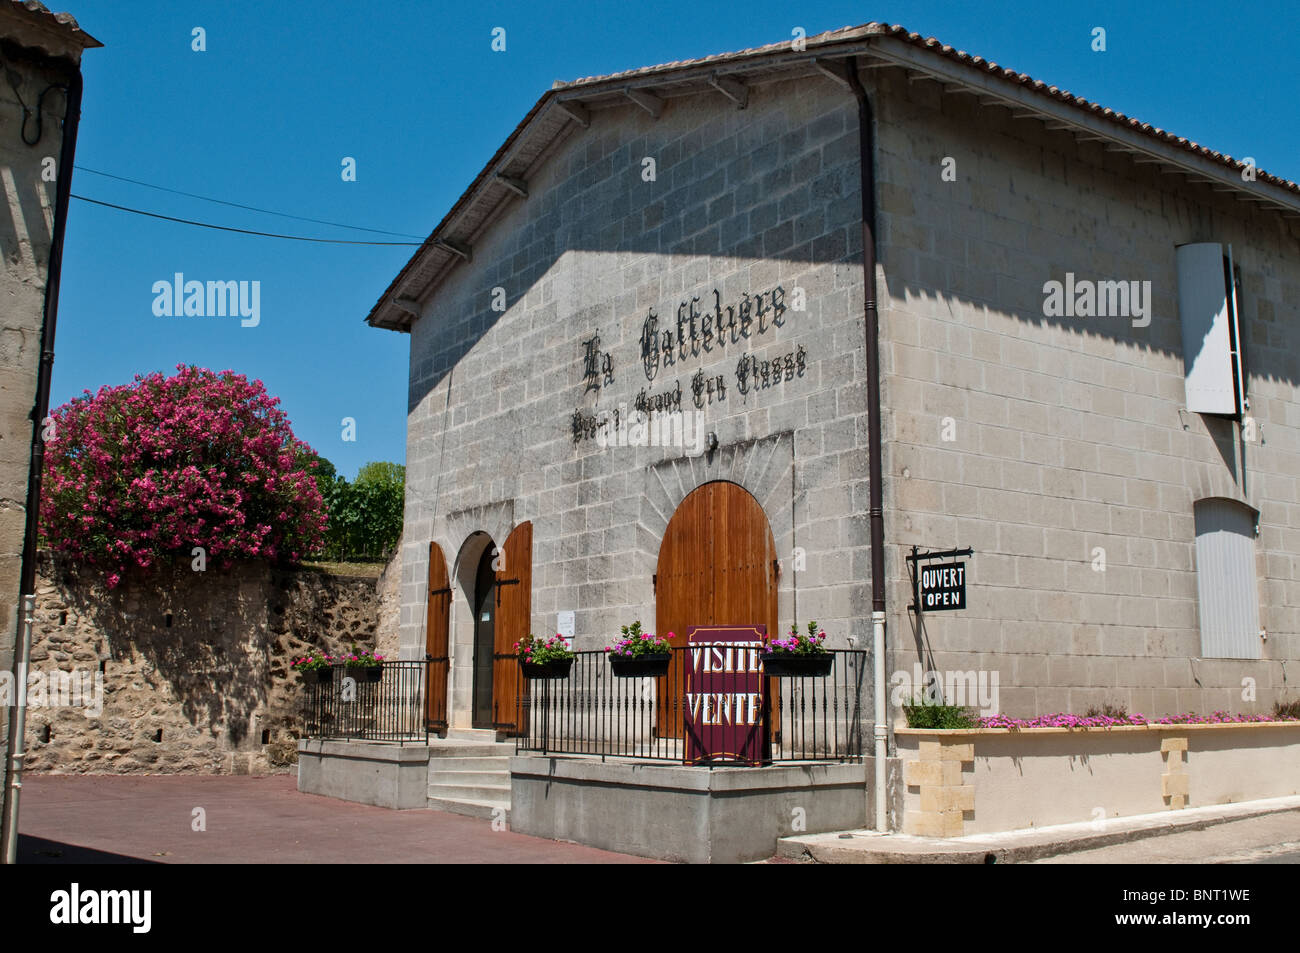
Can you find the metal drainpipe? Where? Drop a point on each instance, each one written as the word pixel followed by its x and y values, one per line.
pixel 866 158
pixel 27 585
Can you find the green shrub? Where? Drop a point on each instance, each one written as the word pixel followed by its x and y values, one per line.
pixel 365 516
pixel 948 717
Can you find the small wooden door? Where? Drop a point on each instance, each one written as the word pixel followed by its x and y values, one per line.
pixel 717 566
pixel 514 594
pixel 437 658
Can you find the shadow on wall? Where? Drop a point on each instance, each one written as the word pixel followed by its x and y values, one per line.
pixel 771 189
pixel 202 635
pixel 779 185
pixel 196 666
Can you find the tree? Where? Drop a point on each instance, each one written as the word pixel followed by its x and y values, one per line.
pixel 365 516
pixel 150 470
pixel 380 495
pixel 324 472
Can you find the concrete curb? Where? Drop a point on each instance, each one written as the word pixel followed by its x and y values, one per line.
pixel 870 847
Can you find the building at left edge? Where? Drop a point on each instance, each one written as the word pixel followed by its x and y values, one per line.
pixel 40 57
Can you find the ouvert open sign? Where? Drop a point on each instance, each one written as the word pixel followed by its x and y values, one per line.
pixel 943 586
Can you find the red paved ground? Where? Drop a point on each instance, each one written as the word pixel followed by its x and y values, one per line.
pixel 109 819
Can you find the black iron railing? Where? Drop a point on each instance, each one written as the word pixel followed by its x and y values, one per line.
pixel 657 718
pixel 354 704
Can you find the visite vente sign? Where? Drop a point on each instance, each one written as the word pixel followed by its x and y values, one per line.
pixel 726 695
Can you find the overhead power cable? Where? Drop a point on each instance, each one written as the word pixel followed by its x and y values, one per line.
pixel 241 231
pixel 250 208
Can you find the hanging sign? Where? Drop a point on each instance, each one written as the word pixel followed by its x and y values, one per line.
pixel 726 695
pixel 943 586
pixel 937 586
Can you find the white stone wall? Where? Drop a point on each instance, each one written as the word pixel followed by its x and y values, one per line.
pixel 743 201
pixel 1071 433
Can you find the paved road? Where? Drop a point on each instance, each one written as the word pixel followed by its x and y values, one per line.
pixel 110 819
pixel 1270 839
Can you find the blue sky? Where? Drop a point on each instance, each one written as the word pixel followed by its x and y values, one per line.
pixel 412 90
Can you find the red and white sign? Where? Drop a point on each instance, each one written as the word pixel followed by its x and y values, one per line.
pixel 726 695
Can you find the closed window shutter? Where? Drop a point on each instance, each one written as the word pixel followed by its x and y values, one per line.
pixel 1209 360
pixel 1225 579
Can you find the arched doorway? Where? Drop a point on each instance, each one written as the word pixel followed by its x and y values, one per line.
pixel 497 582
pixel 436 654
pixel 483 604
pixel 717 566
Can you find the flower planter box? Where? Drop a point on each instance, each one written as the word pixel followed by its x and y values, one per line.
pixel 547 670
pixel 320 675
pixel 366 673
pixel 640 666
pixel 788 665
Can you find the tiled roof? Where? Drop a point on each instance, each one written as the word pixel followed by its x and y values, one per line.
pixel 961 56
pixel 64 22
pixel 480 201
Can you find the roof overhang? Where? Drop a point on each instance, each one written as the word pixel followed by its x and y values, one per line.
pixel 567 109
pixel 30 23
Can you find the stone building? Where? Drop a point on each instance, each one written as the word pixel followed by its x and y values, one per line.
pixel 40 53
pixel 1088 364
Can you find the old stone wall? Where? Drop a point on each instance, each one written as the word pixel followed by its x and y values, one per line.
pixel 389 590
pixel 194 667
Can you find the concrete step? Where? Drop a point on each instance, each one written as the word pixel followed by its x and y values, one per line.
pixel 493 778
pixel 481 735
pixel 498 764
pixel 470 774
pixel 469 749
pixel 470 807
pixel 497 793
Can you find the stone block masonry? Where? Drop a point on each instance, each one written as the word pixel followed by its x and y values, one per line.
pixel 1059 447
pixel 194 666
pixel 729 279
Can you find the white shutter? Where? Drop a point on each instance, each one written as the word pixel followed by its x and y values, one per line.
pixel 1208 363
pixel 1225 579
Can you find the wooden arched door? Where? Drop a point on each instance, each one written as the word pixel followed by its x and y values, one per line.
pixel 514 602
pixel 717 566
pixel 437 657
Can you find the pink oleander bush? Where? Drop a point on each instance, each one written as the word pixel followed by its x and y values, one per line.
pixel 146 471
pixel 1064 720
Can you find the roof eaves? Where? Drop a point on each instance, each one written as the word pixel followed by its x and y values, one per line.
pixel 899 48
pixel 385 314
pixel 64 24
pixel 889 45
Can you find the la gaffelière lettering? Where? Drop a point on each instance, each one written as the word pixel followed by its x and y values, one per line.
pixel 699 332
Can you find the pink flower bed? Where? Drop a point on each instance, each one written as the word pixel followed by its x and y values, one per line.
pixel 1064 720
